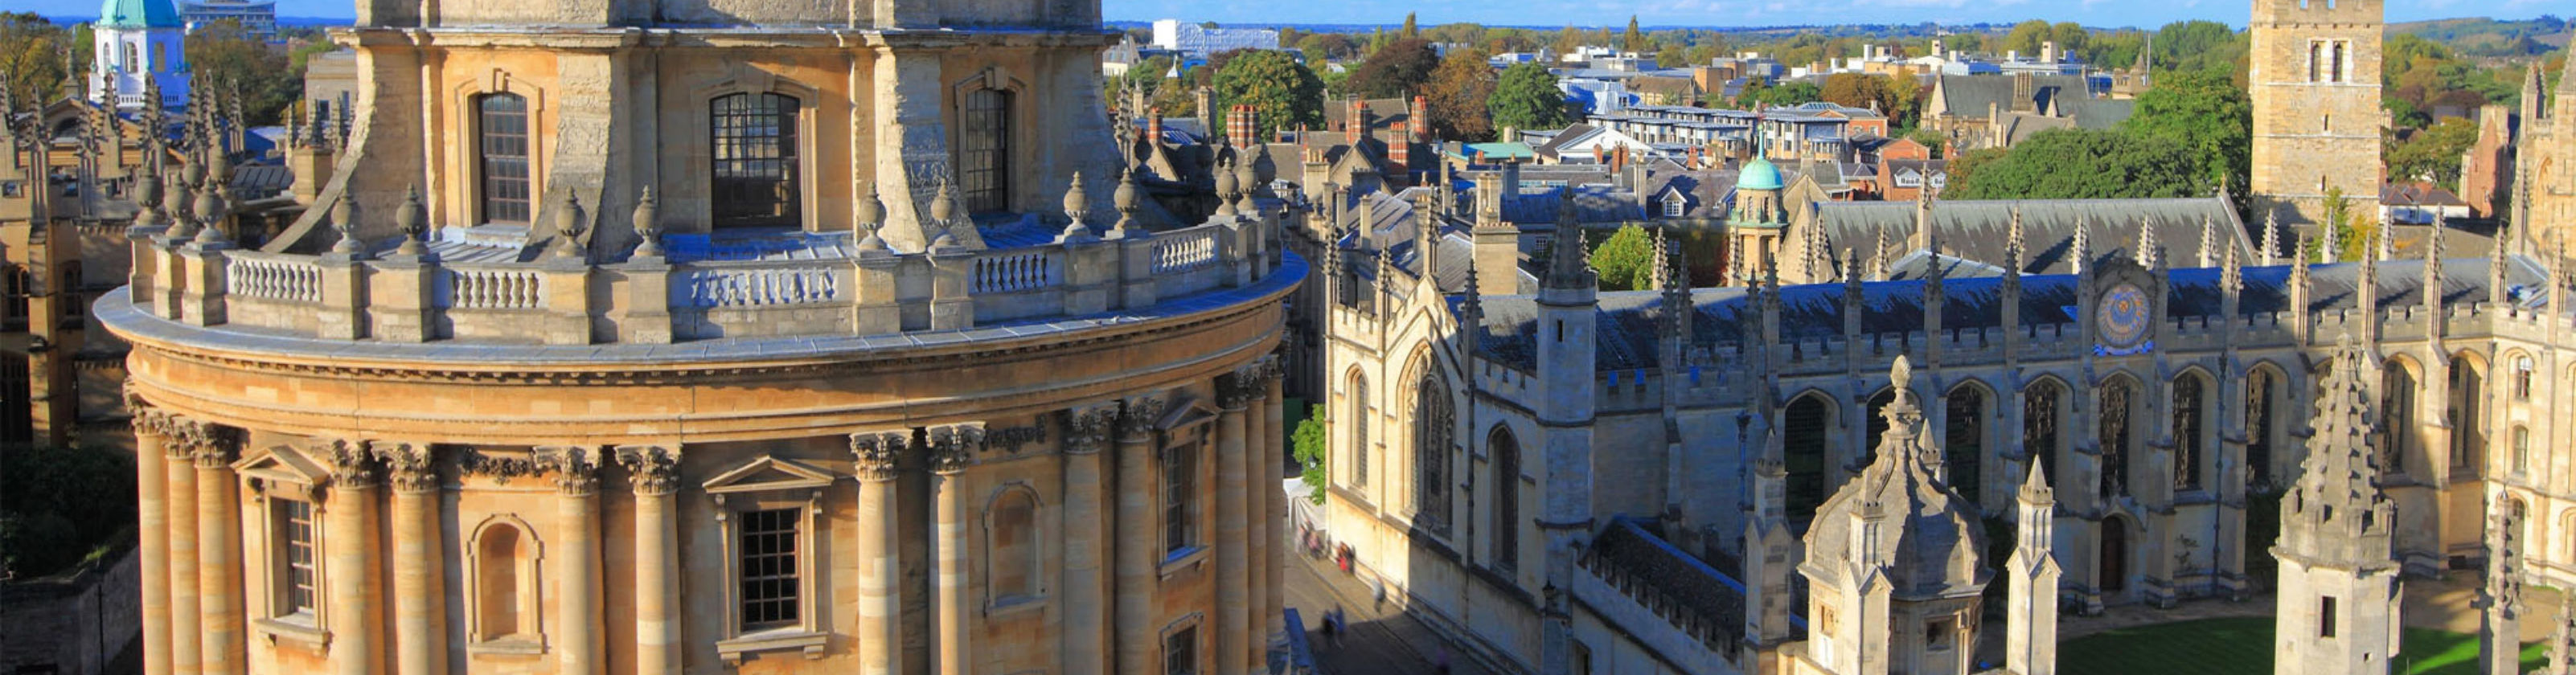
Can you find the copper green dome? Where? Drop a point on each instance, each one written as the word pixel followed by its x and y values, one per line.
pixel 139 14
pixel 1759 174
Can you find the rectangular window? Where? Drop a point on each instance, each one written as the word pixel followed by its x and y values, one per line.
pixel 502 121
pixel 295 577
pixel 2326 617
pixel 769 584
pixel 1937 632
pixel 755 161
pixel 984 166
pixel 1180 497
pixel 1181 652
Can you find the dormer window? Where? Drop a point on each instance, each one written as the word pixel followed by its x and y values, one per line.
pixel 1674 205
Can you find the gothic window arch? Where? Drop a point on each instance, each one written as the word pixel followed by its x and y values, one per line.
pixel 2190 430
pixel 1805 439
pixel 501 157
pixel 1506 452
pixel 2262 386
pixel 1434 434
pixel 2396 429
pixel 2043 425
pixel 754 164
pixel 2468 416
pixel 2522 367
pixel 1356 400
pixel 1964 440
pixel 504 558
pixel 1012 547
pixel 2117 434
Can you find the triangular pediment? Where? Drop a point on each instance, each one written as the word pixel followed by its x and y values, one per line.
pixel 769 473
pixel 283 463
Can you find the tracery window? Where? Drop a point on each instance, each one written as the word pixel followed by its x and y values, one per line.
pixel 1434 419
pixel 2114 438
pixel 2040 427
pixel 2396 429
pixel 2258 424
pixel 984 160
pixel 1963 451
pixel 2468 418
pixel 1506 452
pixel 1803 445
pixel 2189 408
pixel 755 160
pixel 501 123
pixel 1359 424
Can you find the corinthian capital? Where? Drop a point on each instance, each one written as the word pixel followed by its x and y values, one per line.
pixel 878 455
pixel 1136 423
pixel 576 468
pixel 953 446
pixel 412 466
pixel 352 466
pixel 651 470
pixel 1086 430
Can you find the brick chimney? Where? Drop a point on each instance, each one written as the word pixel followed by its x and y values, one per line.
pixel 1154 125
pixel 2025 93
pixel 1361 120
pixel 1241 123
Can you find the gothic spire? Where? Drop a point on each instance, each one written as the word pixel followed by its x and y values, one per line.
pixel 2433 264
pixel 2341 471
pixel 2081 253
pixel 1568 266
pixel 2231 274
pixel 2208 241
pixel 2496 261
pixel 1878 259
pixel 2146 253
pixel 2271 235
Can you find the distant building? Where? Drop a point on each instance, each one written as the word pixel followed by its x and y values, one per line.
pixel 1195 41
pixel 1996 111
pixel 2419 203
pixel 259 18
pixel 136 41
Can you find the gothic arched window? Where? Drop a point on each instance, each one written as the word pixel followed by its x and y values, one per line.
pixel 2040 427
pixel 501 127
pixel 1803 444
pixel 2114 437
pixel 2396 417
pixel 2468 417
pixel 984 151
pixel 1359 424
pixel 1506 452
pixel 2190 407
pixel 1964 440
pixel 1433 436
pixel 755 160
pixel 2521 377
pixel 2259 387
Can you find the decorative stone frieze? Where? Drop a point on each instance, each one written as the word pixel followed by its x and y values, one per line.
pixel 650 469
pixel 498 466
pixel 879 454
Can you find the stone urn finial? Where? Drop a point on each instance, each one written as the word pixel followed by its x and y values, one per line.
pixel 569 226
pixel 1225 188
pixel 1125 199
pixel 344 220
pixel 1077 208
pixel 211 212
pixel 648 227
pixel 412 219
pixel 943 205
pixel 870 213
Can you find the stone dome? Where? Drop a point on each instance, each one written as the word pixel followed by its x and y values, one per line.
pixel 1759 174
pixel 1928 541
pixel 139 14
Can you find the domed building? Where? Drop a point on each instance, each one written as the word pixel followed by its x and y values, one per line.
pixel 138 45
pixel 716 336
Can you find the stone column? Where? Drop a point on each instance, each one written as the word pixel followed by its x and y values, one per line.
pixel 187 632
pixel 1258 528
pixel 879 459
pixel 1233 619
pixel 654 473
pixel 152 515
pixel 1085 616
pixel 576 470
pixel 219 581
pixel 349 565
pixel 420 611
pixel 1135 561
pixel 952 449
pixel 1273 559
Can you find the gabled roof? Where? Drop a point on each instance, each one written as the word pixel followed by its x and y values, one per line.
pixel 1978 230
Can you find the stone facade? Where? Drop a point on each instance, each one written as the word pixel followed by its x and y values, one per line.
pixel 2315 86
pixel 2542 193
pixel 529 389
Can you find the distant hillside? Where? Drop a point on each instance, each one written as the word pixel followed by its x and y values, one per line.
pixel 2481 36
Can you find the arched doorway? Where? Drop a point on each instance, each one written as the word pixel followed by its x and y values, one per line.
pixel 2115 556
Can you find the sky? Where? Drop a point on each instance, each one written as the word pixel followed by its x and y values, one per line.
pixel 2095 13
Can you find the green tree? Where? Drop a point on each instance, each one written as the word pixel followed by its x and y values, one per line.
pixel 1860 90
pixel 60 506
pixel 1623 259
pixel 1634 40
pixel 2198 45
pixel 1396 71
pixel 31 57
pixel 1526 97
pixel 1281 91
pixel 2206 114
pixel 1411 30
pixel 1328 47
pixel 2080 164
pixel 1458 92
pixel 227 58
pixel 2348 230
pixel 1308 445
pixel 2071 38
pixel 1768 95
pixel 2432 153
pixel 2026 37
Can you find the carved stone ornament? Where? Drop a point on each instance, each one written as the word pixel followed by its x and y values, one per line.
pixel 500 467
pixel 211 444
pixel 878 455
pixel 352 466
pixel 1086 430
pixel 650 469
pixel 953 446
pixel 1136 423
pixel 1011 439
pixel 1234 390
pixel 412 467
pixel 576 468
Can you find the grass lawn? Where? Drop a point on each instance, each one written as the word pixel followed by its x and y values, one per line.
pixel 2244 646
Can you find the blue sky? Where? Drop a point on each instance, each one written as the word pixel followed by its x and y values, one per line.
pixel 2100 13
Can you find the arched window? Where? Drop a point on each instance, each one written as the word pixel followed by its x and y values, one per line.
pixel 505 584
pixel 1965 440
pixel 754 139
pixel 1359 424
pixel 1011 531
pixel 2521 377
pixel 1506 452
pixel 2258 424
pixel 501 122
pixel 74 304
pixel 2396 417
pixel 2040 426
pixel 2114 564
pixel 1433 436
pixel 2468 417
pixel 1877 425
pixel 17 284
pixel 133 58
pixel 2189 410
pixel 1803 444
pixel 984 153
pixel 2114 436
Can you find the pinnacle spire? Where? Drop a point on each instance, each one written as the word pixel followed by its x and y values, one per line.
pixel 2271 235
pixel 2146 253
pixel 1568 265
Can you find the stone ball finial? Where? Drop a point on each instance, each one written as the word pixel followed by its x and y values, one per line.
pixel 648 226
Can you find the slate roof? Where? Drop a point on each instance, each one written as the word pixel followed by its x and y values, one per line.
pixel 1977 230
pixel 1625 548
pixel 1626 320
pixel 1969 96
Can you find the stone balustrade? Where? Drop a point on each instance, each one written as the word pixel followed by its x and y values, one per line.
pixel 564 300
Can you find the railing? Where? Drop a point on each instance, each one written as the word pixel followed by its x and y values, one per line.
pixel 1193 250
pixel 1014 271
pixel 276 278
pixel 757 286
pixel 485 288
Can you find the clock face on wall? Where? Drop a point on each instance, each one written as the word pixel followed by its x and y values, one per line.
pixel 2124 316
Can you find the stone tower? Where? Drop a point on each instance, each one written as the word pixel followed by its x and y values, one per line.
pixel 1893 564
pixel 1568 304
pixel 2338 584
pixel 2030 638
pixel 2500 599
pixel 137 44
pixel 2315 82
pixel 1756 222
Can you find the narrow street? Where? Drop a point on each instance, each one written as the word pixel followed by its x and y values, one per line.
pixel 1380 642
